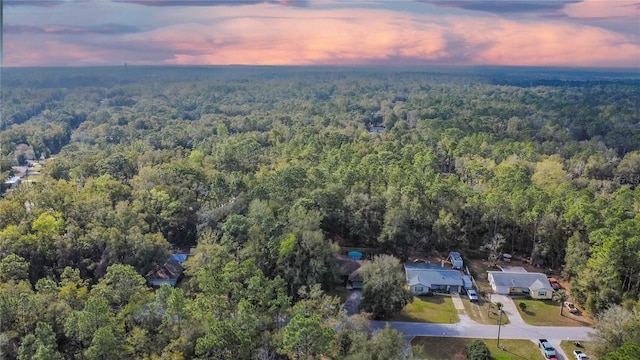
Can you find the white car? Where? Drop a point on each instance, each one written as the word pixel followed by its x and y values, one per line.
pixel 579 355
pixel 473 296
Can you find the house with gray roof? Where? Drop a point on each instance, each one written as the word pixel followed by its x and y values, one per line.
pixel 423 278
pixel 535 285
pixel 349 271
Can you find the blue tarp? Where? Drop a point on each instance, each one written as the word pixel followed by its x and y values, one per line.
pixel 179 258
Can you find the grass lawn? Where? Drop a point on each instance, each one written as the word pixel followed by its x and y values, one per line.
pixel 569 346
pixel 483 312
pixel 431 309
pixel 547 313
pixel 444 348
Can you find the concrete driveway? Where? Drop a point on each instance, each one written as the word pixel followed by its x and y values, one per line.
pixel 352 305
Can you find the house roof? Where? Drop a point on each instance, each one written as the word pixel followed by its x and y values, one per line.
pixel 356 275
pixel 429 275
pixel 529 280
pixel 170 270
pixel 538 285
pixel 347 265
pixel 12 180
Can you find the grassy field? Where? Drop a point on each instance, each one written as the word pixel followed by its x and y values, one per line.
pixel 444 348
pixel 431 309
pixel 586 347
pixel 483 312
pixel 547 313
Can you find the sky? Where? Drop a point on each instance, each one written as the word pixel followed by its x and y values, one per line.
pixel 559 33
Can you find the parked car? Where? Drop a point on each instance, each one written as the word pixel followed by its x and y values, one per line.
pixel 554 283
pixel 579 355
pixel 473 296
pixel 547 349
pixel 571 307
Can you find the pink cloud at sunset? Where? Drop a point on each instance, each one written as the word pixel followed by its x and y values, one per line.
pixel 277 33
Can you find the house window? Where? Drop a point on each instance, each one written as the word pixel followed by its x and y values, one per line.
pixel 542 293
pixel 419 289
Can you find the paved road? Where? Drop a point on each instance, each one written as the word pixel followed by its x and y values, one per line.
pixel 467 328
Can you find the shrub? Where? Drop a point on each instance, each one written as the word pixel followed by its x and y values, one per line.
pixel 478 350
pixel 523 306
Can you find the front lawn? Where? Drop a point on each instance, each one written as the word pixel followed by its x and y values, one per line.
pixel 483 312
pixel 445 348
pixel 431 309
pixel 547 313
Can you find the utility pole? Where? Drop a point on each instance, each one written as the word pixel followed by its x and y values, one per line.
pixel 499 326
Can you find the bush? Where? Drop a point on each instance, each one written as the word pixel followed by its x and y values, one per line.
pixel 478 350
pixel 523 306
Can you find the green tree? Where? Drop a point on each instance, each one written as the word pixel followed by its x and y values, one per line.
pixel 14 267
pixel 306 337
pixel 560 296
pixel 105 345
pixel 42 346
pixel 628 351
pixel 615 327
pixel 387 344
pixel 224 340
pixel 121 285
pixel 383 289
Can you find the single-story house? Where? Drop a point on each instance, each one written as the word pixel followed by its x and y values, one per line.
pixel 535 285
pixel 349 271
pixel 423 278
pixel 167 273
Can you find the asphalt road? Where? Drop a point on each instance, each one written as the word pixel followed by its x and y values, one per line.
pixel 470 329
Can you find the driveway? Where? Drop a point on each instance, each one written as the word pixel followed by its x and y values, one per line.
pixel 352 305
pixel 509 308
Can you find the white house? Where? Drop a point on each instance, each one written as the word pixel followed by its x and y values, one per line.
pixel 424 278
pixel 535 285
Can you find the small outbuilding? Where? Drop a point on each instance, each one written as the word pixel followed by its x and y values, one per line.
pixel 455 259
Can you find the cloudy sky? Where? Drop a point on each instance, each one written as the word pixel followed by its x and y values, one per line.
pixel 580 33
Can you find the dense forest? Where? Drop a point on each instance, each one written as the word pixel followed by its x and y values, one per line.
pixel 263 173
